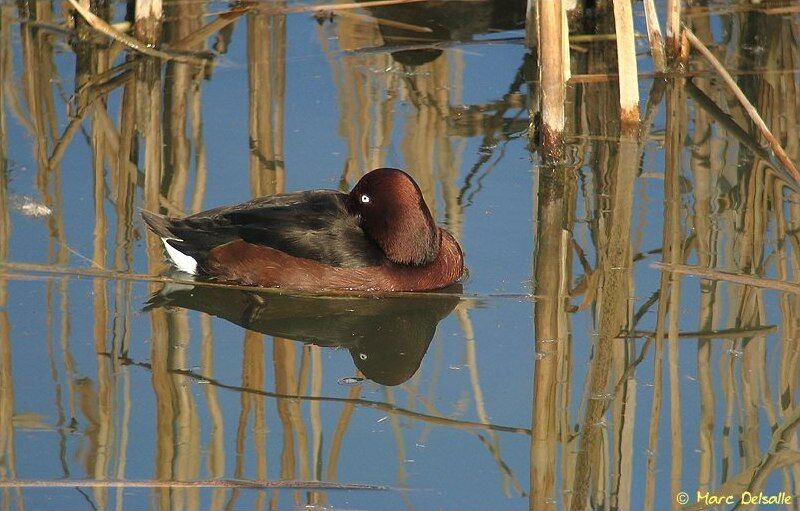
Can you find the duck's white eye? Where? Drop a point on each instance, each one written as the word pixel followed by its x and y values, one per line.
pixel 365 198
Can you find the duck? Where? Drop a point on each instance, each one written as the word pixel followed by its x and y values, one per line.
pixel 379 237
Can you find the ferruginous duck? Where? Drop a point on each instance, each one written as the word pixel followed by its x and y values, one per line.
pixel 379 237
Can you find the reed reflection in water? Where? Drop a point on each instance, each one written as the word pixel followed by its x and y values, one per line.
pixel 574 375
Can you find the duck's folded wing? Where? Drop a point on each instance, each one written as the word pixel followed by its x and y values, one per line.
pixel 313 225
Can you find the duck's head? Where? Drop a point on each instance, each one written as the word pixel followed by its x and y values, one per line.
pixel 394 214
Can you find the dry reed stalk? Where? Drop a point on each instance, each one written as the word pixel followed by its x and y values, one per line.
pixel 565 46
pixel 707 233
pixel 615 265
pixel 669 296
pixel 5 211
pixel 592 38
pixel 216 443
pixel 260 38
pixel 711 334
pixel 178 454
pixel 425 131
pixel 198 142
pixel 7 406
pixel 102 402
pixel 746 104
pixel 673 29
pixel 624 420
pixel 76 120
pixel 626 64
pixel 315 412
pixel 8 469
pixel 284 356
pixel 183 122
pixel 673 252
pixel 303 451
pixel 789 257
pixel 331 471
pixel 653 435
pixel 551 278
pixel 655 37
pixel 278 59
pixel 531 24
pixel 353 105
pixel 186 453
pixel 254 376
pixel 37 57
pixel 164 408
pixel 148 16
pixel 551 78
pixel 745 280
pixel 179 83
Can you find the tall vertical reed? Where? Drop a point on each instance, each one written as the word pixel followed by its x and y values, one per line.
pixel 551 77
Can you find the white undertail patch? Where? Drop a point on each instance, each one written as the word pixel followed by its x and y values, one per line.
pixel 183 262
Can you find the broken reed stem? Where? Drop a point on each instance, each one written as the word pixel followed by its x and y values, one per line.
pixel 551 78
pixel 728 333
pixel 748 106
pixel 147 20
pixel 131 42
pixel 626 63
pixel 745 280
pixel 655 37
pixel 673 28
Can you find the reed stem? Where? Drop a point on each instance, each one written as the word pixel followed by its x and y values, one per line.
pixel 551 77
pixel 626 62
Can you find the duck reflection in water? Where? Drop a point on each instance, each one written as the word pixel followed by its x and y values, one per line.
pixel 387 337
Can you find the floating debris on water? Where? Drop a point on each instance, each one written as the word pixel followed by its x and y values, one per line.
pixel 350 380
pixel 30 207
